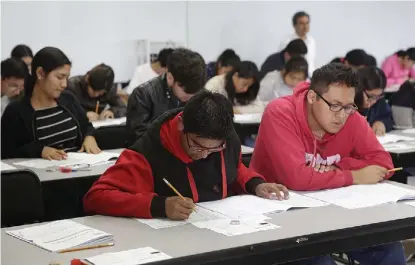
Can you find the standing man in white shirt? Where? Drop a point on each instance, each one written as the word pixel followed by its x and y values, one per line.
pixel 301 23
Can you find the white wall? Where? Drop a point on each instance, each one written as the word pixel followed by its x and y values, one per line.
pixel 94 32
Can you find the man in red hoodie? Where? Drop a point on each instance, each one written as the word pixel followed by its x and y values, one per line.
pixel 315 140
pixel 196 150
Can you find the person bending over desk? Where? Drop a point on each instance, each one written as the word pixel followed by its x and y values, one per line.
pixel 370 101
pixel 314 140
pixel 96 92
pixel 13 74
pixel 196 150
pixel 48 121
pixel 186 75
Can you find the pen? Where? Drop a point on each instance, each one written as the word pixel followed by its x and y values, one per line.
pixel 97 107
pixel 87 247
pixel 174 189
pixel 395 169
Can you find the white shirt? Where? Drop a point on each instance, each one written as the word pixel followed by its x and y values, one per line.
pixel 311 50
pixel 142 74
pixel 272 86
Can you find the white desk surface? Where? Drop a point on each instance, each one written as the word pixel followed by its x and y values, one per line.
pixel 246 150
pixel 55 175
pixel 130 233
pixel 411 145
pixel 254 118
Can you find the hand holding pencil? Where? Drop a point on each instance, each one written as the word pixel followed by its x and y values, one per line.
pixel 178 207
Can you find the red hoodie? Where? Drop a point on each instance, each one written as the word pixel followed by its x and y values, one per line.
pixel 286 148
pixel 128 187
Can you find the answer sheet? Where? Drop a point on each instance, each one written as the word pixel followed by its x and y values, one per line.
pixel 392 138
pixel 412 203
pixel 74 159
pixel 360 196
pixel 61 235
pixel 129 257
pixel 109 122
pixel 5 167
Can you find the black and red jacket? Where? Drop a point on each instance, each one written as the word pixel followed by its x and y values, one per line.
pixel 134 186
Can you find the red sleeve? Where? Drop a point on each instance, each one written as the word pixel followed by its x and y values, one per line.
pixel 125 189
pixel 284 156
pixel 367 149
pixel 248 179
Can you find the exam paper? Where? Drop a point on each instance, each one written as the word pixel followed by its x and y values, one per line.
pixel 248 118
pixel 412 203
pixel 411 131
pixel 5 167
pixel 360 196
pixel 61 235
pixel 392 138
pixel 74 158
pixel 109 122
pixel 129 257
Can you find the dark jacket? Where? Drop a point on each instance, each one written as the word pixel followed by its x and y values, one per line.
pixel 134 186
pixel 405 96
pixel 381 111
pixel 18 137
pixel 79 87
pixel 146 103
pixel 273 62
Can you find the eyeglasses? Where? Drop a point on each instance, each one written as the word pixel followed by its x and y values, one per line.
pixel 348 109
pixel 200 148
pixel 373 97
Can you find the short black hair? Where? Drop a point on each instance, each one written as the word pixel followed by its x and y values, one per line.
pixel 298 15
pixel 208 115
pixel 333 73
pixel 188 69
pixel 296 47
pixel 411 53
pixel 371 60
pixel 163 56
pixel 356 57
pixel 13 67
pixel 21 51
pixel 246 69
pixel 228 58
pixel 295 65
pixel 101 77
pixel 369 78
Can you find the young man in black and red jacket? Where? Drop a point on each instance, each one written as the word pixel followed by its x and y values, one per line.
pixel 196 150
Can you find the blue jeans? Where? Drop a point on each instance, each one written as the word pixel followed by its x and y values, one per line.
pixel 388 254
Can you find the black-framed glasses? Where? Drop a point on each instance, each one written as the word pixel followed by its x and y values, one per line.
pixel 200 148
pixel 348 109
pixel 373 97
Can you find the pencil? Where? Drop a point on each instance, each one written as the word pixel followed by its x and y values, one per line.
pixel 87 247
pixel 97 107
pixel 395 169
pixel 175 191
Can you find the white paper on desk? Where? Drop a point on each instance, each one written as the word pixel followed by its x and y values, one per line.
pixel 392 138
pixel 246 150
pixel 74 158
pixel 109 122
pixel 400 146
pixel 412 131
pixel 61 235
pixel 5 167
pixel 412 203
pixel 360 196
pixel 248 118
pixel 129 257
pixel 299 201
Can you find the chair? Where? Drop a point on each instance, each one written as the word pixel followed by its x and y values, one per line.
pixel 21 198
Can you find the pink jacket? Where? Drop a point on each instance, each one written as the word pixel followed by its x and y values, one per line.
pixel 394 72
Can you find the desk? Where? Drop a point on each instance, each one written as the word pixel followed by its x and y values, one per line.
pixel 321 231
pixel 63 192
pixel 246 125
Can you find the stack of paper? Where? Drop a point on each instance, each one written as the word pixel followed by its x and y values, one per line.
pixel 109 122
pixel 72 160
pixel 129 257
pixel 6 167
pixel 248 118
pixel 392 138
pixel 359 196
pixel 61 235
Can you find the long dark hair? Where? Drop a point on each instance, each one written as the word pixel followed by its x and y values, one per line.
pixel 370 78
pixel 21 51
pixel 227 58
pixel 246 69
pixel 49 58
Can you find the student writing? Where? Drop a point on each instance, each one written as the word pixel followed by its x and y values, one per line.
pixel 97 86
pixel 315 140
pixel 203 154
pixel 186 75
pixel 399 67
pixel 48 121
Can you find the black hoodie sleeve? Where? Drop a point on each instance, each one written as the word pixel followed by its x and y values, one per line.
pixel 15 141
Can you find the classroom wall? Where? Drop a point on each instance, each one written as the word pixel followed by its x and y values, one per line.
pixel 95 32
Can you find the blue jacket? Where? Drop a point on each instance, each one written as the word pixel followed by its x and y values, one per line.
pixel 381 111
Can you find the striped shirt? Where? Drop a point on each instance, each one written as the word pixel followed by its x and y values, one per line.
pixel 55 127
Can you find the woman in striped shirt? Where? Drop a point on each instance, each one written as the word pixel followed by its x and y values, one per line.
pixel 48 122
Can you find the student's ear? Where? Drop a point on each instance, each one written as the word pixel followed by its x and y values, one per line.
pixel 170 79
pixel 311 96
pixel 40 73
pixel 180 126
